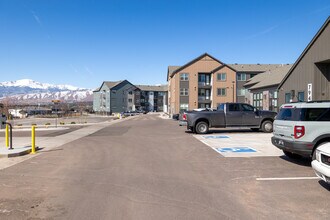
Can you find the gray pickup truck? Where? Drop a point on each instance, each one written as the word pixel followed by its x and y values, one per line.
pixel 231 115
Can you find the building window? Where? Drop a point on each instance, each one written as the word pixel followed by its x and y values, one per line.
pixel 130 92
pixel 130 100
pixel 273 101
pixel 253 75
pixel 183 107
pixel 241 92
pixel 257 100
pixel 221 92
pixel 287 97
pixel 301 96
pixel 184 92
pixel 184 76
pixel 204 79
pixel 221 76
pixel 241 76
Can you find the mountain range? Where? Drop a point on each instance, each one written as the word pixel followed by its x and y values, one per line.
pixel 27 91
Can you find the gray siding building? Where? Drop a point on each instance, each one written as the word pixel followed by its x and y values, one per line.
pixel 121 96
pixel 244 73
pixel 114 97
pixel 309 78
pixel 153 98
pixel 262 88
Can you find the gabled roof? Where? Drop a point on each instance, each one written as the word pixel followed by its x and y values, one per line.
pixel 110 84
pixel 160 88
pixel 268 78
pixel 171 69
pixel 190 63
pixel 222 66
pixel 254 67
pixel 305 51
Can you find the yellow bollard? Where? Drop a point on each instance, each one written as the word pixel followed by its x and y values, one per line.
pixel 33 140
pixel 7 136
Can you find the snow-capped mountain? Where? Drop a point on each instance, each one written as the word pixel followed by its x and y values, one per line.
pixel 37 85
pixel 30 91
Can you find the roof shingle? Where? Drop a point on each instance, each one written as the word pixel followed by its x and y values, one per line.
pixel 160 88
pixel 268 78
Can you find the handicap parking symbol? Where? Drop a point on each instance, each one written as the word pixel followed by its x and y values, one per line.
pixel 236 150
pixel 215 137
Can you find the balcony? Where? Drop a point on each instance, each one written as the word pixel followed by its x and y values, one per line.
pixel 204 99
pixel 204 85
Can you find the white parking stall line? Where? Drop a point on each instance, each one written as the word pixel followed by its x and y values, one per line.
pixel 288 178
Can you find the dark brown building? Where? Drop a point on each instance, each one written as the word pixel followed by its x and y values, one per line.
pixel 309 77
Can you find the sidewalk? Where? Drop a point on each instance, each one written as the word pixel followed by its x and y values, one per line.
pixel 47 143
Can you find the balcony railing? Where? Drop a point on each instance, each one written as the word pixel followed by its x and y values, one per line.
pixel 204 83
pixel 204 98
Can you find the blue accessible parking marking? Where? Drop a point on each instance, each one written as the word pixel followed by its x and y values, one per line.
pixel 236 150
pixel 215 137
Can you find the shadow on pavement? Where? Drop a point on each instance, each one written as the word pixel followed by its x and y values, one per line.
pixel 47 151
pixel 299 161
pixel 324 185
pixel 234 131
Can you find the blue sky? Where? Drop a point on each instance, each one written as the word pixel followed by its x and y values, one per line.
pixel 83 43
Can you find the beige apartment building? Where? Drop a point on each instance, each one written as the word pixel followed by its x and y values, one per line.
pixel 205 82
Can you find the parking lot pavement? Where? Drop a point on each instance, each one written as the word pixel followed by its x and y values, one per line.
pixel 241 143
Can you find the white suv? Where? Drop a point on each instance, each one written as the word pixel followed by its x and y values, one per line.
pixel 299 128
pixel 321 164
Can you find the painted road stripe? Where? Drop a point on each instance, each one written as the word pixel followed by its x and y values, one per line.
pixel 289 178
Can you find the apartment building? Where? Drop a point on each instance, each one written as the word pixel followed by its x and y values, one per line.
pixel 207 82
pixel 262 88
pixel 152 98
pixel 120 96
pixel 113 97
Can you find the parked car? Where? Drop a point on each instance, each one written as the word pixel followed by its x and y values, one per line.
pixel 300 128
pixel 175 116
pixel 321 164
pixel 230 115
pixel 130 113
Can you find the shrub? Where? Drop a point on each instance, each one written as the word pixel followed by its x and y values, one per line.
pixel 73 123
pixel 48 123
pixel 62 123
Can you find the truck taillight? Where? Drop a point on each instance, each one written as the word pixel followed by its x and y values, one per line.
pixel 299 131
pixel 184 117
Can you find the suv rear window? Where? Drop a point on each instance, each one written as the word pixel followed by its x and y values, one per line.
pixel 285 114
pixel 304 114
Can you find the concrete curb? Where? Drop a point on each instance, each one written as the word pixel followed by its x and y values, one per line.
pixel 16 152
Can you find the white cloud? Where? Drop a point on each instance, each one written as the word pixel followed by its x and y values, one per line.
pixel 36 18
pixel 266 31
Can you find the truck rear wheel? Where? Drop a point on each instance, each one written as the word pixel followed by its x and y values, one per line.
pixel 267 126
pixel 202 127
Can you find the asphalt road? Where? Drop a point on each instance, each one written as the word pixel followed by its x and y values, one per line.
pixel 149 168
